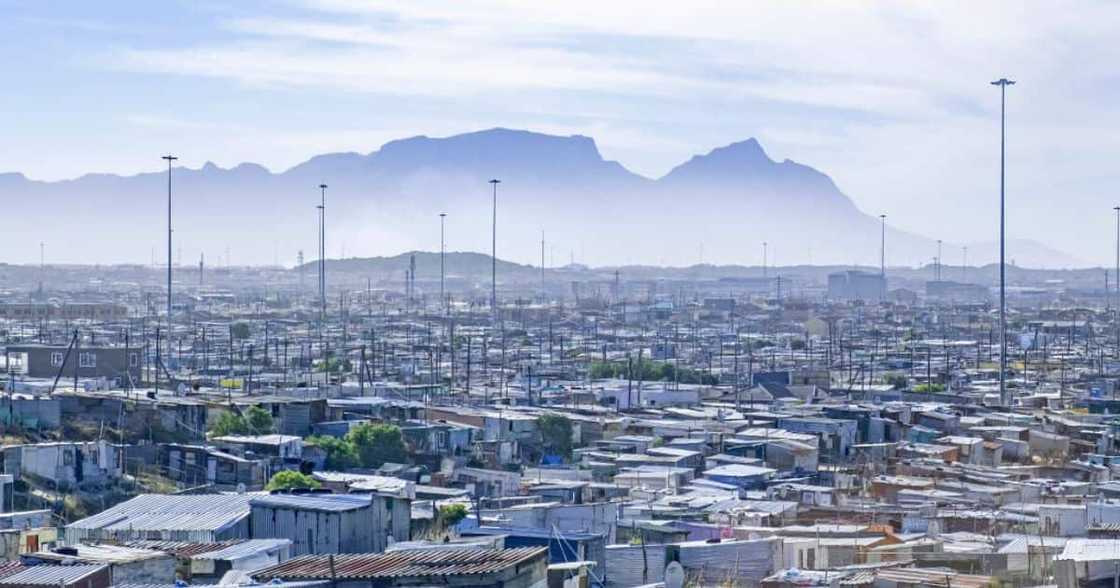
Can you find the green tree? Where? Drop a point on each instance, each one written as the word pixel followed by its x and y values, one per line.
pixel 229 423
pixel 377 444
pixel 556 434
pixel 291 479
pixel 239 330
pixel 897 381
pixel 340 453
pixel 651 371
pixel 259 421
pixel 452 514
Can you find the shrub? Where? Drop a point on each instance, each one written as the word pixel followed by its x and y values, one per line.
pixel 452 514
pixel 290 479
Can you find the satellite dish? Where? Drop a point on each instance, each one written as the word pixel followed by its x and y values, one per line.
pixel 674 575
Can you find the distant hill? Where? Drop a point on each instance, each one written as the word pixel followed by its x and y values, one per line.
pixel 719 206
pixel 457 264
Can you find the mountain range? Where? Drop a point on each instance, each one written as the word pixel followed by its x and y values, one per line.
pixel 718 207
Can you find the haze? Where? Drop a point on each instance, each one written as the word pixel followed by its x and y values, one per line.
pixel 891 101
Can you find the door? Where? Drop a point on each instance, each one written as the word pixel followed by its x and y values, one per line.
pixel 32 544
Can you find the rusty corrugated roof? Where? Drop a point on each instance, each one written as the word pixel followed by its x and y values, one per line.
pixel 421 562
pixel 182 549
pixel 8 568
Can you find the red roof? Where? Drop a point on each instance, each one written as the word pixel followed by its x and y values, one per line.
pixel 418 562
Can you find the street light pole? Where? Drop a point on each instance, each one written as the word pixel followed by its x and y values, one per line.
pixel 964 264
pixel 1003 83
pixel 764 259
pixel 322 252
pixel 883 254
pixel 1117 306
pixel 442 296
pixel 494 251
pixel 170 159
pixel 938 260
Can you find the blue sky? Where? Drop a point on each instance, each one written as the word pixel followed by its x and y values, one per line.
pixel 890 99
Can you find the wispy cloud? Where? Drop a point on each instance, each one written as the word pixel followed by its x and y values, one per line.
pixel 891 99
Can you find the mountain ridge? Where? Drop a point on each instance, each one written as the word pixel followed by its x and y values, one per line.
pixel 726 202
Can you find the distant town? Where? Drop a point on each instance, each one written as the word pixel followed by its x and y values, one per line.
pixel 446 419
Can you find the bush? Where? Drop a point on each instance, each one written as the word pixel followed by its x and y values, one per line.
pixel 377 444
pixel 229 423
pixel 651 371
pixel 340 454
pixel 259 421
pixel 452 514
pixel 929 388
pixel 366 445
pixel 239 330
pixel 335 365
pixel 290 479
pixel 255 421
pixel 556 434
pixel 897 381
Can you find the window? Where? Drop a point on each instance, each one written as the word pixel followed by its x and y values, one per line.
pixel 56 358
pixel 133 359
pixel 87 359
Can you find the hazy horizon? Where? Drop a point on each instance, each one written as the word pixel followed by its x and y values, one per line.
pixel 893 103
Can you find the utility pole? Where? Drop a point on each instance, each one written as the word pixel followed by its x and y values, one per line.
pixel 764 259
pixel 1116 307
pixel 964 265
pixel 170 159
pixel 883 256
pixel 938 260
pixel 494 251
pixel 1003 83
pixel 322 252
pixel 442 296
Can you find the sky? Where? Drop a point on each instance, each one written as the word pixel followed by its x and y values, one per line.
pixel 891 99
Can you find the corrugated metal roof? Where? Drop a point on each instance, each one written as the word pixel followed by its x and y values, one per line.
pixel 924 577
pixel 8 568
pixel 51 575
pixel 182 549
pixel 321 502
pixel 157 512
pixel 426 562
pixel 103 554
pixel 314 584
pixel 245 549
pixel 1079 549
pixel 859 579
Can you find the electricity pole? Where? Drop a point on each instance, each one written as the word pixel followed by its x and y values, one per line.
pixel 883 256
pixel 322 252
pixel 494 252
pixel 442 296
pixel 1003 83
pixel 170 159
